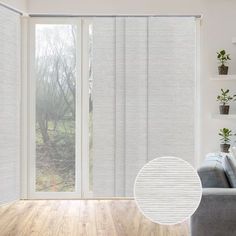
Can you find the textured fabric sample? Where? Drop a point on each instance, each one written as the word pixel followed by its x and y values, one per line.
pixel 143 71
pixel 9 104
pixel 168 190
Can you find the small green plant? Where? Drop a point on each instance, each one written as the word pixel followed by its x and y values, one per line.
pixel 225 135
pixel 225 98
pixel 223 57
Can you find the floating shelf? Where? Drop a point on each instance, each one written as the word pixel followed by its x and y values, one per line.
pixel 224 117
pixel 224 78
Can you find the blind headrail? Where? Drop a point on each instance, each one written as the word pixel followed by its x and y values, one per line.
pixel 120 15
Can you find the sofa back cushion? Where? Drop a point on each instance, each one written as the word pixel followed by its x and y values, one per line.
pixel 229 165
pixel 212 173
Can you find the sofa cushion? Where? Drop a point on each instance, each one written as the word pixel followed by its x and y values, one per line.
pixel 212 173
pixel 232 151
pixel 230 169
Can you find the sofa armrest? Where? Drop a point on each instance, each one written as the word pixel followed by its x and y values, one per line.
pixel 216 214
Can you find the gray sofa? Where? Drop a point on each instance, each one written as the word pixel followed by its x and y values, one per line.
pixel 216 214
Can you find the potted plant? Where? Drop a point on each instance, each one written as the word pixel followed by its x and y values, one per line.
pixel 225 135
pixel 224 98
pixel 223 57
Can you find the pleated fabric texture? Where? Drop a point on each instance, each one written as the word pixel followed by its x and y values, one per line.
pixel 143 96
pixel 9 104
pixel 168 190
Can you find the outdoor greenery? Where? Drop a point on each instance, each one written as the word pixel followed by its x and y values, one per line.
pixel 224 98
pixel 55 107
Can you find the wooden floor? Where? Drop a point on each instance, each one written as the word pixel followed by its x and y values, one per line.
pixel 80 217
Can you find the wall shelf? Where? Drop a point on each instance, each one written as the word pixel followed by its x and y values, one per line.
pixel 224 117
pixel 224 78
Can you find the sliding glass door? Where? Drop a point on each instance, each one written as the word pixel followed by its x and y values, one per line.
pixel 107 95
pixel 55 109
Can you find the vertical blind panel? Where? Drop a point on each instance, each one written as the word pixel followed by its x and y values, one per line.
pixel 120 107
pixel 171 93
pixel 10 105
pixel 104 107
pixel 136 98
pixel 144 89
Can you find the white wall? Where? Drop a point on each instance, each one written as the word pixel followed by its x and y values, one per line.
pixel 18 4
pixel 217 32
pixel 114 6
pixel 217 29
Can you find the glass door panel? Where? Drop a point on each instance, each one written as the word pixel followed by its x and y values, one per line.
pixel 57 106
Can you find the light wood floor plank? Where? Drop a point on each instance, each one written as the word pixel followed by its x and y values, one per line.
pixel 80 218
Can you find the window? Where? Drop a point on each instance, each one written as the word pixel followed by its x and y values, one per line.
pixel 55 109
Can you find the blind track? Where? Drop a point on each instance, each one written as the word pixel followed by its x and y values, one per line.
pixel 76 15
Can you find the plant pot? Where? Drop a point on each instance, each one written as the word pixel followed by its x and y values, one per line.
pixel 225 147
pixel 224 109
pixel 223 70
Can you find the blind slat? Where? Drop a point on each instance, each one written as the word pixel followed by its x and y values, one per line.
pixel 10 105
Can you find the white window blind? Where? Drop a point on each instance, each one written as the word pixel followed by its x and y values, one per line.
pixel 143 96
pixel 9 104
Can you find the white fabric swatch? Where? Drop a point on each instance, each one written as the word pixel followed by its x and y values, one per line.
pixel 168 190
